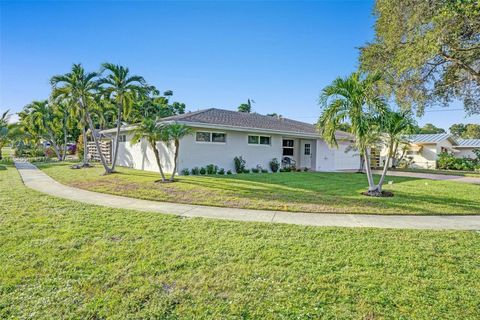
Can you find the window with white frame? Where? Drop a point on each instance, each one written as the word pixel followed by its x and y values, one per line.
pixel 288 147
pixel 307 149
pixel 263 140
pixel 206 136
pixel 122 138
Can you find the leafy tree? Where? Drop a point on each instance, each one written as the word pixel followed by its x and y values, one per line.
pixel 472 131
pixel 354 98
pixel 152 131
pixel 156 107
pixel 246 107
pixel 429 128
pixel 175 132
pixel 81 88
pixel 428 51
pixel 457 129
pixel 345 126
pixel 4 130
pixel 123 89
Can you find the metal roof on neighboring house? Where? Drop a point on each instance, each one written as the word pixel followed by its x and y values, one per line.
pixel 430 138
pixel 468 143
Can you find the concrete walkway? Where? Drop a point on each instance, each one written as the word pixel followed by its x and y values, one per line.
pixel 38 180
pixel 431 176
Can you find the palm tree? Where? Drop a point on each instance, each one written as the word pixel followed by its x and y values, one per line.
pixel 175 132
pixel 4 118
pixel 355 99
pixel 153 132
pixel 394 126
pixel 81 88
pixel 41 120
pixel 123 89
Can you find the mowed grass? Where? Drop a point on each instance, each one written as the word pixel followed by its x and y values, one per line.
pixel 299 191
pixel 63 259
pixel 447 172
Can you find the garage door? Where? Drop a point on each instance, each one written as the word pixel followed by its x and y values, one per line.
pixel 346 160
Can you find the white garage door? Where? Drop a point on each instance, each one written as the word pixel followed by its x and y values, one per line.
pixel 346 160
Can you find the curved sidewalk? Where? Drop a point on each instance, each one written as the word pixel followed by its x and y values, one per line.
pixel 38 180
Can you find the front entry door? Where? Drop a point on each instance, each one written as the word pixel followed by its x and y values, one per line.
pixel 306 154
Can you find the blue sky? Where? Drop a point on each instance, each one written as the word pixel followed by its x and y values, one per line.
pixel 211 54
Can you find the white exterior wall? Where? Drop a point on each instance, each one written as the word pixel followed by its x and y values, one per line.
pixel 141 156
pixel 465 152
pixel 199 154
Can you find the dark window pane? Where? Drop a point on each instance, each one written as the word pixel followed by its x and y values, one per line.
pixel 288 143
pixel 288 151
pixel 253 139
pixel 265 140
pixel 307 149
pixel 218 137
pixel 203 136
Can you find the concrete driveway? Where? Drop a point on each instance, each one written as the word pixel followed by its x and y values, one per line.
pixel 431 176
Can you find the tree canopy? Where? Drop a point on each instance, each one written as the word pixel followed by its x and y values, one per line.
pixel 430 128
pixel 428 52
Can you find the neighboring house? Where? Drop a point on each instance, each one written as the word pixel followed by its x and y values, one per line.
pixel 424 149
pixel 220 135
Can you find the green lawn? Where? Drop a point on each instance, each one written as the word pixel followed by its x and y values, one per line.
pixel 299 191
pixel 63 259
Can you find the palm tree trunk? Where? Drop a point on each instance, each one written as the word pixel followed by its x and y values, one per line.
pixel 55 146
pixel 385 167
pixel 64 142
pixel 119 118
pixel 157 157
pixel 368 169
pixel 97 144
pixel 85 155
pixel 175 157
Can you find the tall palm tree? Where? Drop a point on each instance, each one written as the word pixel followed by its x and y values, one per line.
pixel 355 99
pixel 81 87
pixel 123 89
pixel 152 132
pixel 175 132
pixel 395 125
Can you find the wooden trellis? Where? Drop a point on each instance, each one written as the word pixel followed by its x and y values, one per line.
pixel 105 147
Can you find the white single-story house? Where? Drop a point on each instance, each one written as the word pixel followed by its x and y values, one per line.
pixel 220 135
pixel 424 149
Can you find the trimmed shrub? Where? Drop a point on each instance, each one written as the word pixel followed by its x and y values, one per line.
pixel 306 169
pixel 274 165
pixel 239 163
pixel 195 171
pixel 264 171
pixel 185 172
pixel 246 171
pixel 255 170
pixel 203 171
pixel 221 171
pixel 287 169
pixel 229 172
